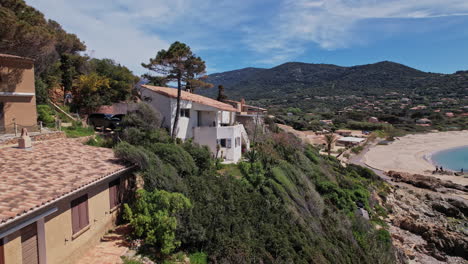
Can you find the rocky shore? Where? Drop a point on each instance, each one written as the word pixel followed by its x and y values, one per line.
pixel 428 218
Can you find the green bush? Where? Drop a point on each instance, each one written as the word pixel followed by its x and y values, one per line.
pixel 153 218
pixel 99 141
pixel 46 115
pixel 198 258
pixel 176 156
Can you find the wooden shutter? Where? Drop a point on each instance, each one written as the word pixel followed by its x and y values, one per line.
pixel 2 254
pixel 84 218
pixel 75 218
pixel 29 249
pixel 80 217
pixel 114 193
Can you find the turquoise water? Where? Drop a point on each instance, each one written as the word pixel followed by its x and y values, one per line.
pixel 453 159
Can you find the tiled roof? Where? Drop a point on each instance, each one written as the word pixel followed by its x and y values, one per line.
pixel 172 92
pixel 48 171
pixel 9 56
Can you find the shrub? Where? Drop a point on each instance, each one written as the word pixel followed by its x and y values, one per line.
pixel 99 141
pixel 46 115
pixel 200 154
pixel 153 218
pixel 198 258
pixel 176 156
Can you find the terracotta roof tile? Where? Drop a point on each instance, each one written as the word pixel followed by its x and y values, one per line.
pixel 48 171
pixel 172 92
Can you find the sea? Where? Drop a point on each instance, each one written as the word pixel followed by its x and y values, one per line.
pixel 454 159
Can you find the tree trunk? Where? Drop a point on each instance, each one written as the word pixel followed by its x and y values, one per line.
pixel 176 119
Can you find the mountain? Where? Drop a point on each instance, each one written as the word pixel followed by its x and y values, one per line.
pixel 295 79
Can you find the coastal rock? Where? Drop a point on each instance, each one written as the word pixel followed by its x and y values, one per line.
pixel 426 226
pixel 425 182
pixel 446 208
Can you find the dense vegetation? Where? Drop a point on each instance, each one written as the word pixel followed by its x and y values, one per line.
pixel 287 204
pixel 301 94
pixel 60 67
pixel 308 80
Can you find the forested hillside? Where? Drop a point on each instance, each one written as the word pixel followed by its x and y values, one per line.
pixel 304 80
pixel 61 66
pixel 286 204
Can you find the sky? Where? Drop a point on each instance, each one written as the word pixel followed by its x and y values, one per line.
pixel 430 35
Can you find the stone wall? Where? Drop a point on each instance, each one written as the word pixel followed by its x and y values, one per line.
pixel 36 137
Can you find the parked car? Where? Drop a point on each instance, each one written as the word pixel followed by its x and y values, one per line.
pixel 100 120
pixel 116 121
pixel 105 121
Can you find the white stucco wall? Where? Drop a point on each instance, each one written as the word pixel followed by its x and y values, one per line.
pixel 209 135
pixel 160 103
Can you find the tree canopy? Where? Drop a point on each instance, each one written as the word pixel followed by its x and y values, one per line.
pixel 178 64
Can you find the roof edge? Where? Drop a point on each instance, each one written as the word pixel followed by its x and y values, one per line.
pixel 48 203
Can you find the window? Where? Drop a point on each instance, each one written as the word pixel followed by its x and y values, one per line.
pixel 185 112
pixel 114 193
pixel 225 142
pixel 237 143
pixel 80 218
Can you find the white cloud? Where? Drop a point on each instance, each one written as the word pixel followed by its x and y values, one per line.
pixel 131 31
pixel 332 24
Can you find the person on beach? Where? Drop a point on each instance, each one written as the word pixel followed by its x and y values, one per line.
pixel 441 169
pixel 437 168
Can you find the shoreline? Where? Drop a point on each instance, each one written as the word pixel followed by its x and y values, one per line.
pixel 413 153
pixel 428 157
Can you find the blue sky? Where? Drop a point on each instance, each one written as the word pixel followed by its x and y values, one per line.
pixel 431 35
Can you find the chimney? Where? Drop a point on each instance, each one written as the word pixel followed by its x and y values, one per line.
pixel 25 141
pixel 242 103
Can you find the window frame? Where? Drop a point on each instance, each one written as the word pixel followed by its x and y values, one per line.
pixel 185 112
pixel 79 212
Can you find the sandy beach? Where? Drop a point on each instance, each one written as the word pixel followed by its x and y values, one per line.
pixel 410 153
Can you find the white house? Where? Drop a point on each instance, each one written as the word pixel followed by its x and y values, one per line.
pixel 207 121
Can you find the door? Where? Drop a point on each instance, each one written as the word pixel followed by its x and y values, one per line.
pixel 29 249
pixel 2 254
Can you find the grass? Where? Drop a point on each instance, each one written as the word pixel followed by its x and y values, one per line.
pixel 99 141
pixel 76 131
pixel 127 260
pixel 230 169
pixel 198 258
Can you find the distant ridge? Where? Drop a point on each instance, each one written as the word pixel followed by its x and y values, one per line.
pixel 293 79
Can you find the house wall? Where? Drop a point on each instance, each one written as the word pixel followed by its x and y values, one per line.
pixel 61 246
pixel 207 118
pixel 186 124
pixel 160 103
pixel 235 152
pixel 209 135
pixel 17 76
pixel 206 136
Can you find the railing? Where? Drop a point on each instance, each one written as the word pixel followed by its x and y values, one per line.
pixel 15 128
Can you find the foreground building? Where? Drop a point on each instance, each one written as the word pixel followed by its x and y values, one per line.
pixel 57 200
pixel 17 94
pixel 205 120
